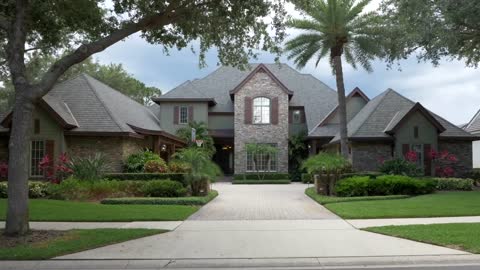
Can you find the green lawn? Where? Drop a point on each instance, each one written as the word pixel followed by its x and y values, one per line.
pixel 322 199
pixel 464 236
pixel 72 241
pixel 442 204
pixel 54 210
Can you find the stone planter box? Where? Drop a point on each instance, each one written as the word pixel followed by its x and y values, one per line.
pixel 325 183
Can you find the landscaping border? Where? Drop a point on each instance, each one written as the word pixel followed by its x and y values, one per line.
pixel 164 201
pixel 261 182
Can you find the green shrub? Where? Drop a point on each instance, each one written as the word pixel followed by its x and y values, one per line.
pixel 267 176
pixel 179 177
pixel 307 178
pixel 89 168
pixel 371 175
pixel 36 189
pixel 199 200
pixel 454 183
pixel 399 166
pixel 384 185
pixel 135 163
pixel 178 167
pixel 260 182
pixel 163 188
pixel 155 166
pixel 3 189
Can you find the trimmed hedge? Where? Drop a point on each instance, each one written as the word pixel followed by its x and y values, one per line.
pixel 36 189
pixel 323 199
pixel 307 178
pixel 163 188
pixel 384 185
pixel 179 177
pixel 454 184
pixel 269 176
pixel 164 201
pixel 261 182
pixel 371 175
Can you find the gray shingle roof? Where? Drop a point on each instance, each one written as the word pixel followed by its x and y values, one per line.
pixel 317 98
pixel 96 107
pixel 328 130
pixel 385 111
pixel 474 125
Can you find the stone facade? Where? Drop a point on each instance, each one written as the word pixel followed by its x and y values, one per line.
pixel 368 156
pixel 115 149
pixel 260 85
pixel 463 151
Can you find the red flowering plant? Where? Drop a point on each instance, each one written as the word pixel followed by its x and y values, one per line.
pixel 55 173
pixel 3 170
pixel 411 156
pixel 444 163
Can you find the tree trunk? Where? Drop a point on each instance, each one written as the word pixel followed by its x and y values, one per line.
pixel 17 210
pixel 342 108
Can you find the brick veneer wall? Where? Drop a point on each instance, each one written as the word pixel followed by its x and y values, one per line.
pixel 115 149
pixel 260 84
pixel 463 151
pixel 368 156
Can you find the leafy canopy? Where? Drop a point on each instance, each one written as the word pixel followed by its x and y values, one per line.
pixel 201 134
pixel 333 28
pixel 327 163
pixel 433 29
pixel 113 75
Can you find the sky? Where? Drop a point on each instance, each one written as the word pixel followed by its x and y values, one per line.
pixel 451 90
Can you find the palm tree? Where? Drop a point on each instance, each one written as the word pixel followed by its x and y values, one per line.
pixel 336 28
pixel 201 134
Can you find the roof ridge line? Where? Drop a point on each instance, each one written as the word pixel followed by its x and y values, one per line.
pixel 103 103
pixel 73 116
pixel 475 116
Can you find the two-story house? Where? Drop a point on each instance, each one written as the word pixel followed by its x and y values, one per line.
pixel 265 104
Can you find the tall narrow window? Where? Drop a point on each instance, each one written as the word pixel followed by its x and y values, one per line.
pixel 262 162
pixel 415 132
pixel 36 126
pixel 261 110
pixel 36 154
pixel 183 117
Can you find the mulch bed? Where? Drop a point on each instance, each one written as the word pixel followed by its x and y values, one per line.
pixel 32 237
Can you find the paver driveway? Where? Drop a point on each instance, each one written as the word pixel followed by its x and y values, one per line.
pixel 262 202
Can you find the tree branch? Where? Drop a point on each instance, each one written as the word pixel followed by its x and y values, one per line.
pixel 86 50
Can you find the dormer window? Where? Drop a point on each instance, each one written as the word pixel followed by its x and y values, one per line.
pixel 261 110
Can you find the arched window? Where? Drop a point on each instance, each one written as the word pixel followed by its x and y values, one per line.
pixel 261 110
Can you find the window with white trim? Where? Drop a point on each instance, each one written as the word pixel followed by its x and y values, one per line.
pixel 262 162
pixel 261 110
pixel 183 115
pixel 37 152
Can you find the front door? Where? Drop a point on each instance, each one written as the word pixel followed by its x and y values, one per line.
pixel 224 157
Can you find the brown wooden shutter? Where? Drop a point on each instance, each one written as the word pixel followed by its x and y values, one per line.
pixel 248 110
pixel 405 149
pixel 427 159
pixel 274 111
pixel 190 114
pixel 50 152
pixel 175 115
pixel 290 116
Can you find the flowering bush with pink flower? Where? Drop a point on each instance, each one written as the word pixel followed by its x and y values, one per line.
pixel 444 163
pixel 58 172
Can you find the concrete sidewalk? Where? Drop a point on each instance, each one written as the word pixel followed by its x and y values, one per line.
pixel 63 226
pixel 384 262
pixel 365 223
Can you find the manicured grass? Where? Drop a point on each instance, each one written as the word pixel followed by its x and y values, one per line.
pixel 201 200
pixel 442 204
pixel 261 182
pixel 54 210
pixel 465 236
pixel 72 241
pixel 322 199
